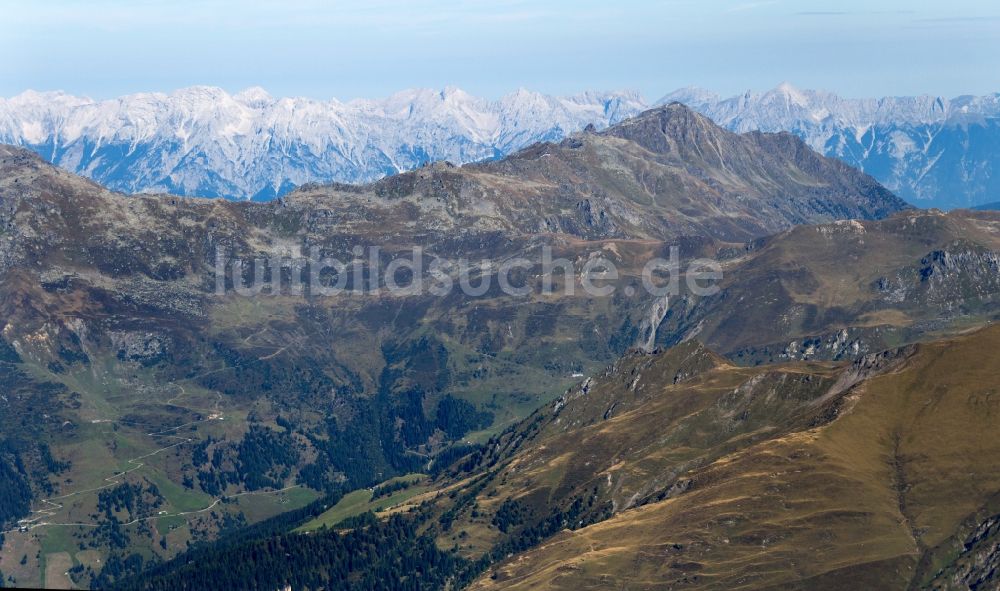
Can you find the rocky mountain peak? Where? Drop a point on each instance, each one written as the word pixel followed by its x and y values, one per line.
pixel 255 96
pixel 930 150
pixel 660 128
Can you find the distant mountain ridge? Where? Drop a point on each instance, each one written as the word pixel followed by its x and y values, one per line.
pixel 666 173
pixel 202 141
pixel 931 151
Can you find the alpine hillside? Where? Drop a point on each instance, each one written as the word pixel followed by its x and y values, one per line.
pixel 202 141
pixel 144 411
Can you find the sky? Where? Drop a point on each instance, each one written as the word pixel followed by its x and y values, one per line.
pixel 351 48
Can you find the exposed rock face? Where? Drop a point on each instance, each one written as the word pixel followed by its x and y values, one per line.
pixel 143 347
pixel 202 141
pixel 932 151
pixel 664 174
pixel 841 290
pixel 970 561
pixel 975 564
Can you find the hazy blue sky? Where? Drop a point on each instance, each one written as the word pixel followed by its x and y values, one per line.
pixel 347 49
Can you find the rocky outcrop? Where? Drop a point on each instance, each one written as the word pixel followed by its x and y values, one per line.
pixel 977 565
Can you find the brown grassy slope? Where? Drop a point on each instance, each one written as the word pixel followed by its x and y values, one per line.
pixel 636 434
pixel 851 504
pixel 837 290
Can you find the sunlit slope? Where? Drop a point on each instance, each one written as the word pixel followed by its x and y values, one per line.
pixel 876 498
pixel 837 291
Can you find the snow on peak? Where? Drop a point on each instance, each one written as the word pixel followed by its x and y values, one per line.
pixel 786 88
pixel 691 96
pixel 202 141
pixel 255 97
pixel 920 147
pixel 199 94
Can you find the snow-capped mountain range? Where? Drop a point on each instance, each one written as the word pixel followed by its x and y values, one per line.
pixel 931 151
pixel 203 141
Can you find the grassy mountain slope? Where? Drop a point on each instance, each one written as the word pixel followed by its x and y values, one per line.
pixel 679 470
pixel 163 414
pixel 849 288
pixel 874 497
